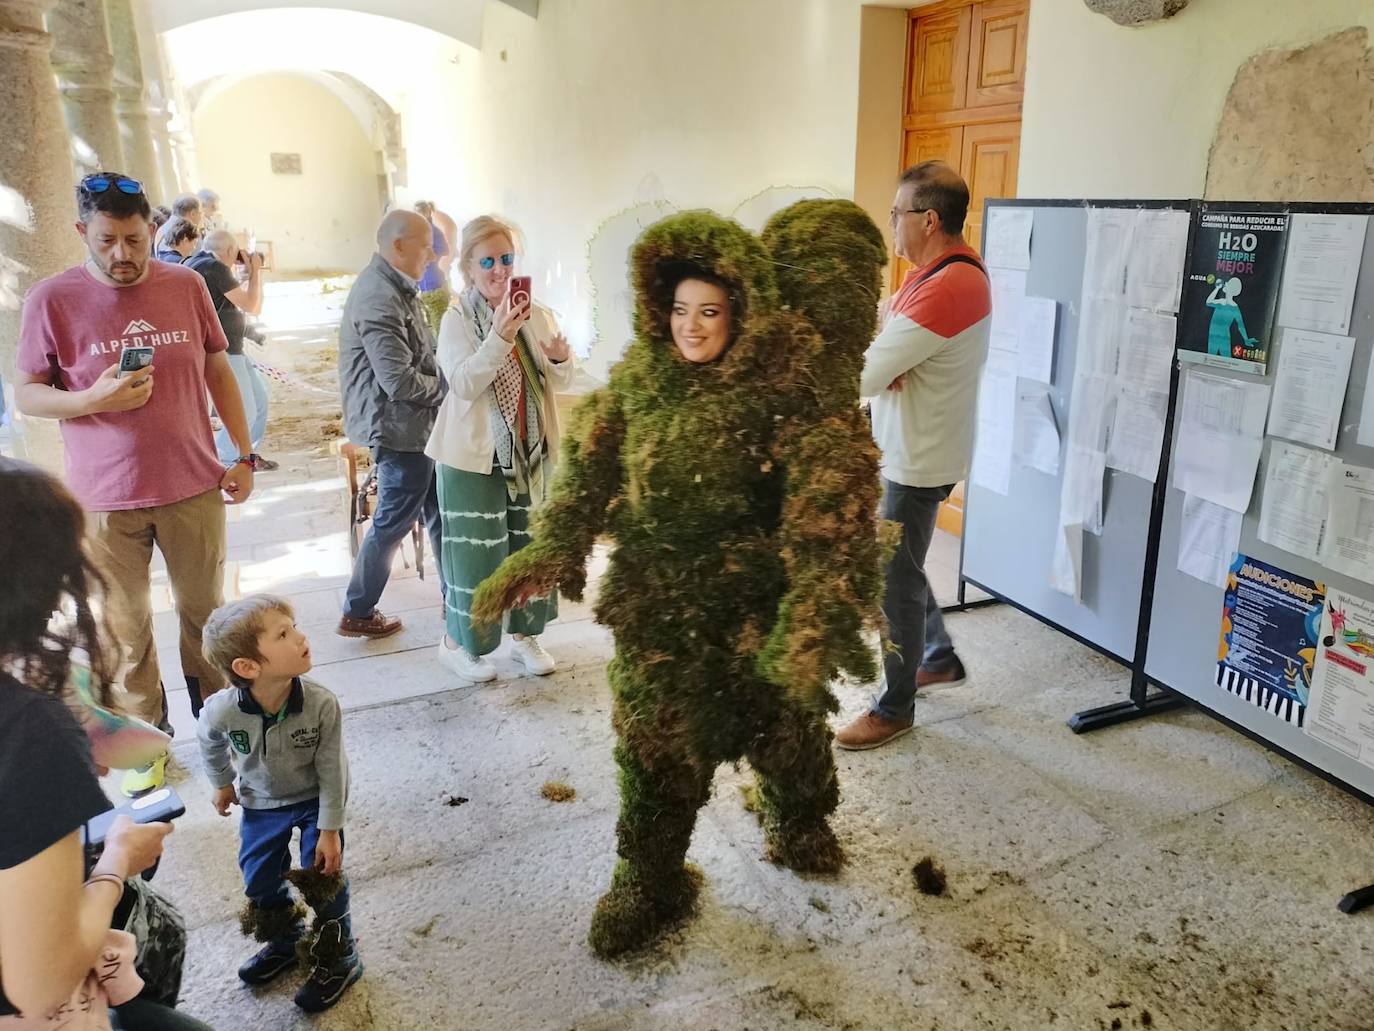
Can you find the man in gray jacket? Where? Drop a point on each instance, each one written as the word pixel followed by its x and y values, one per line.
pixel 392 387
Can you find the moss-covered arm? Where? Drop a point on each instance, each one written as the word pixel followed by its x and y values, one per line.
pixel 834 556
pixel 565 527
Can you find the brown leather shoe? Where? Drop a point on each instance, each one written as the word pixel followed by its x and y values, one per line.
pixel 870 731
pixel 949 678
pixel 375 626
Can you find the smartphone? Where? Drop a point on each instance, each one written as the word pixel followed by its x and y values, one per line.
pixel 519 291
pixel 134 359
pixel 160 806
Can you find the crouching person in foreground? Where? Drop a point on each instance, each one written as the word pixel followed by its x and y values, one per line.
pixel 280 737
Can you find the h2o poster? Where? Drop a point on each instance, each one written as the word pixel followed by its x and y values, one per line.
pixel 1230 288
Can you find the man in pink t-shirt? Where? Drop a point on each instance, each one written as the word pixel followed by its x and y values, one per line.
pixel 141 460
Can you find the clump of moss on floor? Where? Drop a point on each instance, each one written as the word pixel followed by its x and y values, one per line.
pixel 557 791
pixel 929 877
pixel 749 795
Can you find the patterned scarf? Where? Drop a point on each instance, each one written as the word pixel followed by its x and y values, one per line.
pixel 517 409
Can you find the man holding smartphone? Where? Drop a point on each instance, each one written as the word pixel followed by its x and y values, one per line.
pixel 141 461
pixel 215 261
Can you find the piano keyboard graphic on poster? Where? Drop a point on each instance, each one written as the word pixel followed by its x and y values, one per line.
pixel 1270 619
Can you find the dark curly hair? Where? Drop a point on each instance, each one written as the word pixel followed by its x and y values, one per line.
pixel 670 274
pixel 47 569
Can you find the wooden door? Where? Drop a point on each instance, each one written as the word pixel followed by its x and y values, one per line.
pixel 988 164
pixel 966 66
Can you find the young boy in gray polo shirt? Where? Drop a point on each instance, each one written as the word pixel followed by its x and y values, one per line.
pixel 280 737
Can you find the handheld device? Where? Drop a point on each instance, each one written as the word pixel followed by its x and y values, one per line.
pixel 134 359
pixel 519 291
pixel 158 806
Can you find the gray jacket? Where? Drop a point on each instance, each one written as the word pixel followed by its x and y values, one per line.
pixel 388 374
pixel 278 762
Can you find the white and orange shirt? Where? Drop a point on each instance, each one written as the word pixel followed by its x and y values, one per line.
pixel 935 334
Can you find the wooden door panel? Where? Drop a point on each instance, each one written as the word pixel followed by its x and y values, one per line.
pixel 989 162
pixel 997 52
pixel 937 62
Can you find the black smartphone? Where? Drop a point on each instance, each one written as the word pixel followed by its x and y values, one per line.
pixel 158 806
pixel 134 359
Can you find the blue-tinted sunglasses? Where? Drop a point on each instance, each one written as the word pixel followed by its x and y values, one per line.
pixel 507 260
pixel 101 182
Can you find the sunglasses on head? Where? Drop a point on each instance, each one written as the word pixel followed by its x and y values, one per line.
pixel 101 182
pixel 507 260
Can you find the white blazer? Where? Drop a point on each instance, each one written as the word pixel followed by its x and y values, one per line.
pixel 462 437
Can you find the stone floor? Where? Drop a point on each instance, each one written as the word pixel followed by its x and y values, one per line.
pixel 1168 874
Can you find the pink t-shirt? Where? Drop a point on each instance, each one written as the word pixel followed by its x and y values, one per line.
pixel 74 327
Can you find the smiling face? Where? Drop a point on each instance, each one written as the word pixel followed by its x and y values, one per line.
pixel 700 321
pixel 495 250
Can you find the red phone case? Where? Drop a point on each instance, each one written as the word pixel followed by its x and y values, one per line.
pixel 519 285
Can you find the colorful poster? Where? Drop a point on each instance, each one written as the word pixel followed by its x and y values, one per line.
pixel 1269 624
pixel 1230 289
pixel 1342 711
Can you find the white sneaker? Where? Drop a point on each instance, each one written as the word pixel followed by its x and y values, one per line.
pixel 530 652
pixel 466 666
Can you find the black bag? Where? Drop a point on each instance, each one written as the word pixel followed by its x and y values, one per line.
pixel 160 930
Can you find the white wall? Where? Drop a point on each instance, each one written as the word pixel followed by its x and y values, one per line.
pixel 326 218
pixel 1118 112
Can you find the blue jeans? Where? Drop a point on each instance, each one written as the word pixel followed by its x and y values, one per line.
pixel 253 390
pixel 405 493
pixel 918 628
pixel 265 856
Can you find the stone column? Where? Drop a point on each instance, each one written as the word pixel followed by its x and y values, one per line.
pixel 160 94
pixel 37 205
pixel 131 101
pixel 85 75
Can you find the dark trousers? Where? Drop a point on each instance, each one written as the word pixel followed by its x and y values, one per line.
pixel 918 628
pixel 265 856
pixel 405 493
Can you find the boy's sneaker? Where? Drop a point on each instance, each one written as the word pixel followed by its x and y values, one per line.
pixel 329 980
pixel 271 960
pixel 532 654
pixel 469 667
pixel 144 779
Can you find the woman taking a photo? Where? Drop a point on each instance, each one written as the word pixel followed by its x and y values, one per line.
pixel 54 919
pixel 494 443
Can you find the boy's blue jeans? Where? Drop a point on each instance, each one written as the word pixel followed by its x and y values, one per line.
pixel 265 856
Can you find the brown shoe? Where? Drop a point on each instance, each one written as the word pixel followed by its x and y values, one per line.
pixel 375 626
pixel 948 678
pixel 870 731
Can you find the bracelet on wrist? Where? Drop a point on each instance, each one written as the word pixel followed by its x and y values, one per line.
pixel 112 878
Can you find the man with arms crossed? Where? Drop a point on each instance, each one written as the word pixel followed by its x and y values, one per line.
pixel 922 373
pixel 140 459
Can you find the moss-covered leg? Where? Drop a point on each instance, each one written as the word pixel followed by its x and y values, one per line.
pixel 652 887
pixel 798 790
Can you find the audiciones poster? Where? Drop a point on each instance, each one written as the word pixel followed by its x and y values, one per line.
pixel 1230 288
pixel 1269 624
pixel 1341 713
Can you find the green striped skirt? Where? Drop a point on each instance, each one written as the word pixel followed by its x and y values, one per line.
pixel 481 526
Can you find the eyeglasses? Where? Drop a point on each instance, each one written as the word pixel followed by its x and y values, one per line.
pixel 507 260
pixel 101 183
pixel 894 214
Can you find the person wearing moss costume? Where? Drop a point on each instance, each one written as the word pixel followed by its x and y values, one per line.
pixel 730 461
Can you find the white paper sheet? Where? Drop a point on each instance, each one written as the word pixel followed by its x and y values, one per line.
pixel 1035 339
pixel 1313 371
pixel 1340 707
pixel 1154 274
pixel 1066 567
pixel 1080 493
pixel 1365 434
pixel 1008 288
pixel 1037 430
pixel 992 448
pixel 1109 236
pixel 1137 435
pixel 1100 326
pixel 1294 503
pixel 1349 543
pixel 1220 437
pixel 1146 353
pixel 1319 273
pixel 1008 237
pixel 1090 411
pixel 1207 540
